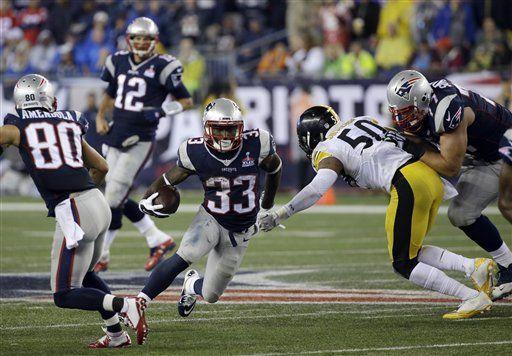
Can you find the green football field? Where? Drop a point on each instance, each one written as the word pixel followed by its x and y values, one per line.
pixel 323 285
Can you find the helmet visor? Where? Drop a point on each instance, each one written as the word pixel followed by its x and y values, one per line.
pixel 224 136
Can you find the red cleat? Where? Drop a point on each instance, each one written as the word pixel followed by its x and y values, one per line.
pixel 112 342
pixel 158 252
pixel 135 318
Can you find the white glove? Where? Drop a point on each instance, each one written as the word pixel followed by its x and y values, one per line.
pixel 172 107
pixel 269 219
pixel 147 207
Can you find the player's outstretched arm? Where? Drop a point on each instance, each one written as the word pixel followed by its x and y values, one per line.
pixel 272 165
pixel 448 161
pixel 98 167
pixel 505 197
pixel 328 171
pixel 107 104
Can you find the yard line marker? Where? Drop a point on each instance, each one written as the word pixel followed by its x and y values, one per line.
pixel 391 348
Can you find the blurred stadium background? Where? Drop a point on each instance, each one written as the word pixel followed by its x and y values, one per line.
pixel 275 57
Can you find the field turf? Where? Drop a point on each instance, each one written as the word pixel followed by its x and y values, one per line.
pixel 322 286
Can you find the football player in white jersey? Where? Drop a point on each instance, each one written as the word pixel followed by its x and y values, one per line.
pixel 370 156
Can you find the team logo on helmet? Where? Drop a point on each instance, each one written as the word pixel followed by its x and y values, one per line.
pixel 405 89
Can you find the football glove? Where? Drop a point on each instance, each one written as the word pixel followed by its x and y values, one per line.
pixel 172 108
pixel 147 207
pixel 269 219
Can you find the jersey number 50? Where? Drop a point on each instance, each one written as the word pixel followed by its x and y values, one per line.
pixel 126 100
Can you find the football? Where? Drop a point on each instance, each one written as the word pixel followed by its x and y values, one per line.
pixel 169 197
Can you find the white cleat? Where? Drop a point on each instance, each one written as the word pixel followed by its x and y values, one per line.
pixel 187 301
pixel 136 319
pixel 110 341
pixel 482 275
pixel 471 307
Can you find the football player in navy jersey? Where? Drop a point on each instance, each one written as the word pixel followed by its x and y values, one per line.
pixel 505 195
pixel 467 128
pixel 228 162
pixel 139 81
pixel 66 170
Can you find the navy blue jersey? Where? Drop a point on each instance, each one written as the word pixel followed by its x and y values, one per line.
pixel 138 87
pixel 506 147
pixel 231 187
pixel 51 148
pixel 446 112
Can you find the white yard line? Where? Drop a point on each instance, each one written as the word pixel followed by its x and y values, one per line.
pixel 391 348
pixel 318 209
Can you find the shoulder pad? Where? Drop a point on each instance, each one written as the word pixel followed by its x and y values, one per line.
pixel 11 119
pixel 183 156
pixel 505 149
pixel 448 113
pixel 169 67
pixel 82 121
pixel 320 152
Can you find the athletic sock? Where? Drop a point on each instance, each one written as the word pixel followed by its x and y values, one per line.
pixel 163 275
pixel 109 239
pixel 92 280
pixel 502 256
pixel 115 304
pixel 484 233
pixel 198 286
pixel 145 297
pixel 113 326
pixel 445 260
pixel 434 279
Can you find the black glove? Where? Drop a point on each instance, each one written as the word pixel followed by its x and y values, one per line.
pixel 417 150
pixel 153 115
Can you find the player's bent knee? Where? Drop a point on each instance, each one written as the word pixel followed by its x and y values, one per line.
pixel 59 298
pixel 404 267
pixel 461 216
pixel 210 297
pixel 116 192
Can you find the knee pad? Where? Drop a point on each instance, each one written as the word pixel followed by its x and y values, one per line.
pixel 117 219
pixel 405 267
pixel 116 192
pixel 59 298
pixel 461 214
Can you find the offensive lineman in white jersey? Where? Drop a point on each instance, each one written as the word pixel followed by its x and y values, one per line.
pixel 370 156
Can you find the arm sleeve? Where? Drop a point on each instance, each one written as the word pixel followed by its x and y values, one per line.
pixel 183 158
pixel 310 194
pixel 267 145
pixel 108 75
pixel 170 77
pixel 449 113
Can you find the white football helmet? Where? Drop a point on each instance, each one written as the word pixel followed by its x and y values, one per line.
pixel 34 91
pixel 142 26
pixel 409 94
pixel 223 125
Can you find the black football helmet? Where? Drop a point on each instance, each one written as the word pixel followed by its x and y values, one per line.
pixel 313 125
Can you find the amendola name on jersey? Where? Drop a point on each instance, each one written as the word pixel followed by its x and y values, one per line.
pixel 447 110
pixel 51 148
pixel 139 86
pixel 231 187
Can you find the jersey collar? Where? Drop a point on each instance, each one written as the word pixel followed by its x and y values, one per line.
pixel 137 66
pixel 225 162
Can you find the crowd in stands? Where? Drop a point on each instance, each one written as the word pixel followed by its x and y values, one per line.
pixel 335 39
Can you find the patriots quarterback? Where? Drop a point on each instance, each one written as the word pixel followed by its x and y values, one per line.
pixel 228 161
pixel 467 128
pixel 370 156
pixel 139 81
pixel 66 170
